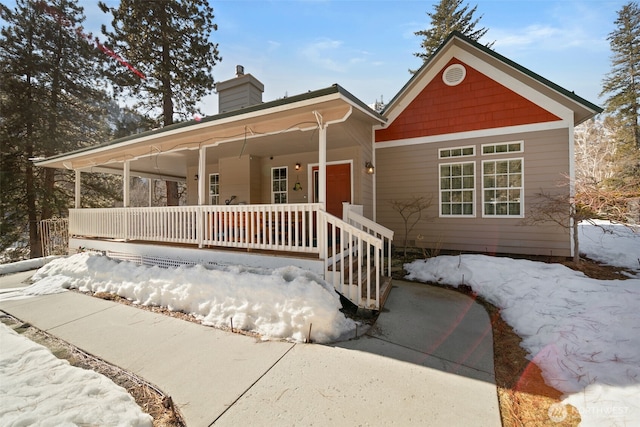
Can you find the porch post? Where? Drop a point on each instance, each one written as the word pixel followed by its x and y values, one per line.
pixel 151 186
pixel 322 162
pixel 202 179
pixel 78 195
pixel 126 176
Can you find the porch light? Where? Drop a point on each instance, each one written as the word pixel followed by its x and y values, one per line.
pixel 369 168
pixel 298 166
pixel 195 178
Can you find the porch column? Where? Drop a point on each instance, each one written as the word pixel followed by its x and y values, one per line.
pixel 78 195
pixel 151 186
pixel 202 178
pixel 126 176
pixel 322 161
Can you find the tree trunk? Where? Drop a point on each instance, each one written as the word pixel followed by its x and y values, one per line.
pixel 167 100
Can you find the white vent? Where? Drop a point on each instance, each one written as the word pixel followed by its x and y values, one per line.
pixel 454 74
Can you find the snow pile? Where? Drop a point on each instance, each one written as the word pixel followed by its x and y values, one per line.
pixel 28 264
pixel 38 388
pixel 612 244
pixel 277 304
pixel 583 333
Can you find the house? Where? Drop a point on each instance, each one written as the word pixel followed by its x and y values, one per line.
pixel 481 137
pixel 308 180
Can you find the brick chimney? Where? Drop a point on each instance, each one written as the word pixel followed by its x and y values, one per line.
pixel 240 92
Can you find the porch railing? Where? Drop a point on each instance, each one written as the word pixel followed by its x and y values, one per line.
pixel 351 251
pixel 289 227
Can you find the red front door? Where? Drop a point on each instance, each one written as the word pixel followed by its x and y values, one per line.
pixel 338 187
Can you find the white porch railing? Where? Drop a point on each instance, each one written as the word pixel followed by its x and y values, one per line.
pixel 352 252
pixel 356 219
pixel 289 227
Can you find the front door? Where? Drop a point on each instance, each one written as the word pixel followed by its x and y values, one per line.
pixel 338 187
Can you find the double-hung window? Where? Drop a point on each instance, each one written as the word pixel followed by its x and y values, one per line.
pixel 502 192
pixel 457 189
pixel 214 189
pixel 279 184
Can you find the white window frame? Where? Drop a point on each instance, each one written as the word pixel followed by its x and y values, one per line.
pixel 280 191
pixel 508 188
pixel 441 150
pixel 497 144
pixel 450 191
pixel 214 197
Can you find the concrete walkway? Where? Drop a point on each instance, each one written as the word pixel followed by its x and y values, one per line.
pixel 427 361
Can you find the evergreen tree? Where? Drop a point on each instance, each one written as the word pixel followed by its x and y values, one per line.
pixel 167 42
pixel 448 16
pixel 622 83
pixel 622 88
pixel 48 104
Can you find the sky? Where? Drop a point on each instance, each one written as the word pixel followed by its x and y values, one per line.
pixel 367 47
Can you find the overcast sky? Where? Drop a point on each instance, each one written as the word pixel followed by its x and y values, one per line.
pixel 367 46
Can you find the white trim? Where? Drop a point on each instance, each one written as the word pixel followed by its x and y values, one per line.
pixel 472 134
pixel 522 195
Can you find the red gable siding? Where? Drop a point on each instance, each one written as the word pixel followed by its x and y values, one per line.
pixel 477 103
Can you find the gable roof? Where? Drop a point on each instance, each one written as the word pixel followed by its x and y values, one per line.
pixel 583 109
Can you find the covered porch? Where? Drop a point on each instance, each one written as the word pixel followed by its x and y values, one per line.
pixel 290 178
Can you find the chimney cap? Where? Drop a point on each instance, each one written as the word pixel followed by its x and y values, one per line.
pixel 239 70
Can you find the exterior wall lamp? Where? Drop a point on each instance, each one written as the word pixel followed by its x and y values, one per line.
pixel 298 166
pixel 369 168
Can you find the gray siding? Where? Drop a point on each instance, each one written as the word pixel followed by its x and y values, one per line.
pixel 408 171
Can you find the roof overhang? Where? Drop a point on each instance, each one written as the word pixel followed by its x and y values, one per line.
pixel 300 113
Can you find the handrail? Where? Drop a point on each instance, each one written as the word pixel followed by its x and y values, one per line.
pixel 350 252
pixel 374 229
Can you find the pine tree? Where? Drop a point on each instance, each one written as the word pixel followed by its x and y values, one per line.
pixel 49 104
pixel 167 41
pixel 622 83
pixel 449 16
pixel 622 88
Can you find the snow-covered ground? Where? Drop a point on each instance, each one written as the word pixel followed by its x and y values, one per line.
pixel 37 388
pixel 583 333
pixel 276 304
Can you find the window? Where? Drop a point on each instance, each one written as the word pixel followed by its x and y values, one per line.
pixel 214 189
pixel 445 153
pixel 502 190
pixel 279 185
pixel 506 147
pixel 457 189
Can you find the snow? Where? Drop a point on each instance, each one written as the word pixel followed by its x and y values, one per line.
pixel 37 388
pixel 583 333
pixel 29 264
pixel 276 304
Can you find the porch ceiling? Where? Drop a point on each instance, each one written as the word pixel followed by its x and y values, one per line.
pixel 270 132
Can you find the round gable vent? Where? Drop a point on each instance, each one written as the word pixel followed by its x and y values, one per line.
pixel 454 74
